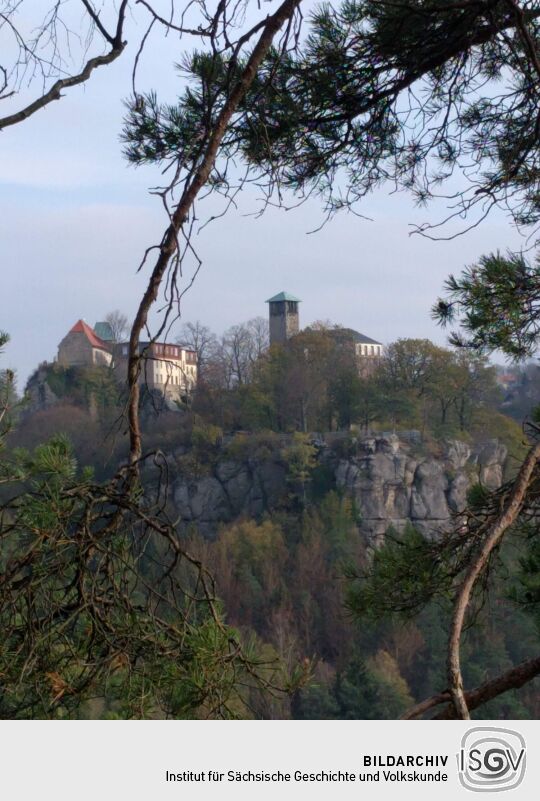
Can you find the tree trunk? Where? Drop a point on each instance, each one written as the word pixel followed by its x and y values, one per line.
pixel 493 536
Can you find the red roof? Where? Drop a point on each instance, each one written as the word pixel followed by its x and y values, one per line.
pixel 81 327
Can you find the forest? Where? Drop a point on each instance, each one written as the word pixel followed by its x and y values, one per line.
pixel 113 604
pixel 287 577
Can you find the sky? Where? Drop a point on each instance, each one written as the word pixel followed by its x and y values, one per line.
pixel 76 220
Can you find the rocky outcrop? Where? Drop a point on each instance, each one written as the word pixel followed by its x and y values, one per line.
pixel 39 395
pixel 392 487
pixel 234 489
pixel 392 483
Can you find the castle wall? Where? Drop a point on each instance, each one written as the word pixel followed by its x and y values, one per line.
pixel 76 351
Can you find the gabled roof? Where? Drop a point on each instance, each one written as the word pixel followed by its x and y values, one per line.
pixel 356 336
pixel 81 327
pixel 104 331
pixel 283 296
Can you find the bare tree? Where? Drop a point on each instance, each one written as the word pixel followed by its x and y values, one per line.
pixel 259 333
pixel 234 356
pixel 201 339
pixel 119 324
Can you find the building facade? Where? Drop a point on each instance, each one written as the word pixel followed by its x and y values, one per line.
pixel 284 323
pixel 171 369
pixel 364 347
pixel 81 347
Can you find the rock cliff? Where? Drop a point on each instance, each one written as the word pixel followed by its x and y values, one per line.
pixel 391 482
pixel 392 487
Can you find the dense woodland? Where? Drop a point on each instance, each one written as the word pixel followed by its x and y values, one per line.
pixel 286 581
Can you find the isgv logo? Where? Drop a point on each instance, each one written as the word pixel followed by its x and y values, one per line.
pixel 491 759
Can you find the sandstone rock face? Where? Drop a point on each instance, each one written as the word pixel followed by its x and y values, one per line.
pixel 235 489
pixel 390 481
pixel 40 395
pixel 392 488
pixel 490 458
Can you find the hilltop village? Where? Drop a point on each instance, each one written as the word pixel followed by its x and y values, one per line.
pixel 170 368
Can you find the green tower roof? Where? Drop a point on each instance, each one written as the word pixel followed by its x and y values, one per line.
pixel 104 331
pixel 283 296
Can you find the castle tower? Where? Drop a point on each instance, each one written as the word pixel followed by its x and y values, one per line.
pixel 284 319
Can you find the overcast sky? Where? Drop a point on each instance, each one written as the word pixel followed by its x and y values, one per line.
pixel 76 219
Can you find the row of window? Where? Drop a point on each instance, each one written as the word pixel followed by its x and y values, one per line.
pixel 168 350
pixel 170 367
pixel 369 350
pixel 173 380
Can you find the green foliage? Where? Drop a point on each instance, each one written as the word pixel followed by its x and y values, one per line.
pixel 477 496
pixel 299 457
pixel 249 560
pixel 373 689
pixel 316 382
pixel 323 480
pixel 260 446
pixel 332 107
pixel 8 397
pixel 507 431
pixel 525 590
pixel 205 440
pixel 497 304
pixel 92 387
pixel 317 702
pixel 402 578
pixel 101 610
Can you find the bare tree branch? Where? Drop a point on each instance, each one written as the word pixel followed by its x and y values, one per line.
pixel 54 93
